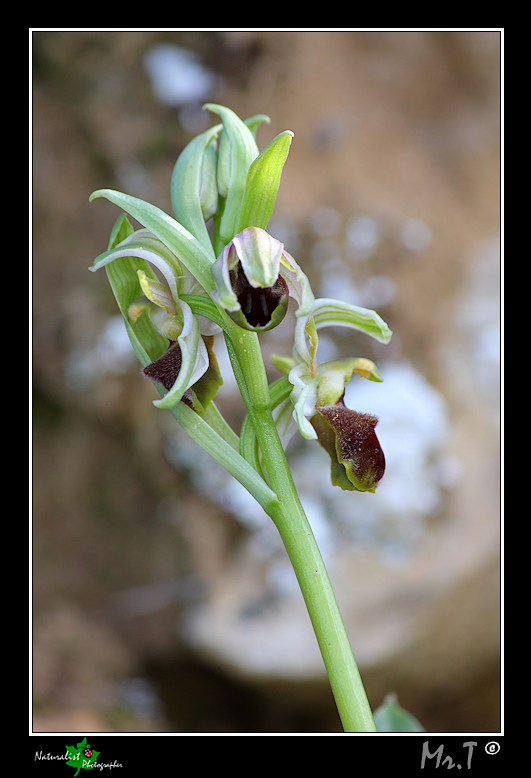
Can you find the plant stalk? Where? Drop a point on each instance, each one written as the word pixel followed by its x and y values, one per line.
pixel 297 536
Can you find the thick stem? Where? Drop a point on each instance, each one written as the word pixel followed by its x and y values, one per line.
pixel 298 538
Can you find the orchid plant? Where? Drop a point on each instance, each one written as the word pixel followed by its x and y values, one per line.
pixel 214 268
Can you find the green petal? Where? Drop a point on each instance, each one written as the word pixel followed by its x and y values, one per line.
pixel 333 376
pixel 156 292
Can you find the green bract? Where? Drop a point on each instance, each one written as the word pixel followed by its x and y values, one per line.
pixel 263 181
pixel 391 717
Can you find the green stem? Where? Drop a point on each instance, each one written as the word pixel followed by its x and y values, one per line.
pixel 296 533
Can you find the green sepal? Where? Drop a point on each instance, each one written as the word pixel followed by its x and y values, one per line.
pixel 151 250
pixel 328 312
pixel 175 237
pixel 194 190
pixel 263 181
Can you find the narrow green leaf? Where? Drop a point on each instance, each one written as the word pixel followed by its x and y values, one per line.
pixel 263 181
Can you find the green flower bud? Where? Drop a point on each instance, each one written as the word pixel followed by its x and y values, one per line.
pixel 208 195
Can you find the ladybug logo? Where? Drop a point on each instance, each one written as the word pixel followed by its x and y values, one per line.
pixel 88 752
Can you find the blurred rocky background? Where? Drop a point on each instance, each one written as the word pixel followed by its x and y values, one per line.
pixel 163 600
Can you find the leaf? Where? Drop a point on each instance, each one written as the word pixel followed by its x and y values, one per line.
pixel 77 756
pixel 390 717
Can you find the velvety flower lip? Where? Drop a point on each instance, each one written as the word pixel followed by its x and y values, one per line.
pixel 358 462
pixel 254 277
pixel 259 306
pixel 166 368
